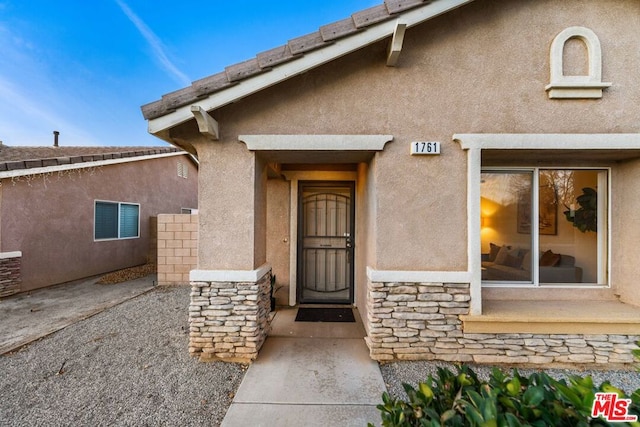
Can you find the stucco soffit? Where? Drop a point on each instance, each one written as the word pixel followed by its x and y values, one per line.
pixel 548 141
pixel 315 142
pixel 304 63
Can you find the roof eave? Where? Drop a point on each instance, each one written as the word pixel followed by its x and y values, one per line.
pixel 160 126
pixel 14 173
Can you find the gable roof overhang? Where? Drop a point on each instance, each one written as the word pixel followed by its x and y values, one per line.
pixel 25 165
pixel 299 56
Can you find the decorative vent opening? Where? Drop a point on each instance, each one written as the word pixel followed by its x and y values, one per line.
pixel 183 170
pixel 564 81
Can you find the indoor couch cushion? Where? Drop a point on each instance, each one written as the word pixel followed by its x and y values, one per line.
pixel 567 261
pixel 508 256
pixel 493 251
pixel 526 261
pixel 514 261
pixel 549 259
pixel 493 271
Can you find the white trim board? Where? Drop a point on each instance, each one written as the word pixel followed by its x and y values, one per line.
pixel 549 141
pixel 315 142
pixel 7 255
pixel 229 275
pixel 475 143
pixel 418 276
pixel 307 62
pixel 294 177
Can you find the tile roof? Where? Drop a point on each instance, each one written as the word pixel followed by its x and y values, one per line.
pixel 15 158
pixel 264 61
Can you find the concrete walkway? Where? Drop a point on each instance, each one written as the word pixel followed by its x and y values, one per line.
pixel 311 374
pixel 32 315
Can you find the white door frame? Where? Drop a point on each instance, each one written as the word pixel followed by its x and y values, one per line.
pixel 294 177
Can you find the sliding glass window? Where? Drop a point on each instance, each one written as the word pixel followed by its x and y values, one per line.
pixel 544 226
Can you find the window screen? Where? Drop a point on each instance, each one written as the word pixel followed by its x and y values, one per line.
pixel 128 220
pixel 114 220
pixel 106 223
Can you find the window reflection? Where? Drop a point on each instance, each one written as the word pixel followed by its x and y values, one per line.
pixel 569 235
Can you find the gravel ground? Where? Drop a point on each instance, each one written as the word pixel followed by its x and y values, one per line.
pixel 128 365
pixel 394 374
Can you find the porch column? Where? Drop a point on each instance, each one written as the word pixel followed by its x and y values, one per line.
pixel 229 309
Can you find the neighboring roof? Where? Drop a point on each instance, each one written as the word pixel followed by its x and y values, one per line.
pixel 19 158
pixel 363 28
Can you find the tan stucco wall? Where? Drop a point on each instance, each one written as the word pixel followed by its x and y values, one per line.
pixel 228 195
pixel 278 237
pixel 482 68
pixel 51 220
pixel 365 241
pixel 624 251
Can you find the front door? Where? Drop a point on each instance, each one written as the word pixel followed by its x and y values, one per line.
pixel 325 243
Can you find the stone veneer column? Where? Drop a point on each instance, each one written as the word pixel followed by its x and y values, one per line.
pixel 420 321
pixel 416 321
pixel 229 320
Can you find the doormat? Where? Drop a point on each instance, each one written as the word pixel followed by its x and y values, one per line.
pixel 308 314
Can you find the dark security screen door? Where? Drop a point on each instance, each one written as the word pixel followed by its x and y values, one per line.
pixel 325 245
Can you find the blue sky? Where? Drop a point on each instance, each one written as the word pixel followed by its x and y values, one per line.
pixel 84 68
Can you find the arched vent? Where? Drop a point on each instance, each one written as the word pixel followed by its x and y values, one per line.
pixel 586 86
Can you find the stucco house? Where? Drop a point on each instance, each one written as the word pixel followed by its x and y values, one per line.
pixel 67 213
pixel 397 161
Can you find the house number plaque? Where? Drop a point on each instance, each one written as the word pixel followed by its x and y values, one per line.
pixel 425 148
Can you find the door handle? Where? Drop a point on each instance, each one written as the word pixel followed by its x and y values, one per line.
pixel 348 241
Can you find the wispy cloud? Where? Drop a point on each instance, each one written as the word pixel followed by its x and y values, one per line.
pixel 156 45
pixel 26 121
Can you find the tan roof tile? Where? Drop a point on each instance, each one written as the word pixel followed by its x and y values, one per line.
pixel 275 56
pixel 397 6
pixel 266 60
pixel 243 70
pixel 306 43
pixel 212 84
pixel 338 29
pixel 370 16
pixel 15 158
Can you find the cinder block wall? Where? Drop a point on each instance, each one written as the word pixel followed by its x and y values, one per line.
pixel 177 248
pixel 10 273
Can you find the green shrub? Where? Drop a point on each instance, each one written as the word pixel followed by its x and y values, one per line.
pixel 462 399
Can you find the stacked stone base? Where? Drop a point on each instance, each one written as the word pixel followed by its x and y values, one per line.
pixel 229 320
pixel 420 321
pixel 10 273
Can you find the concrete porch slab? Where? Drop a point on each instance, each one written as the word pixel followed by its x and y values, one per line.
pixel 308 373
pixel 268 415
pixel 284 325
pixel 312 371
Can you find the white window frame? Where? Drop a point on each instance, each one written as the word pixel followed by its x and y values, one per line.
pixel 604 239
pixel 475 143
pixel 95 204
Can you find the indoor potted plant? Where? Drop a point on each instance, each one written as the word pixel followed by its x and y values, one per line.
pixel 585 218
